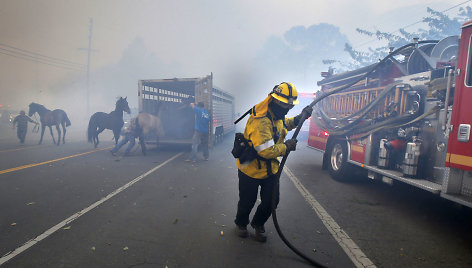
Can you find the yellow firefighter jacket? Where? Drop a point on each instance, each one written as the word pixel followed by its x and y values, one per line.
pixel 262 130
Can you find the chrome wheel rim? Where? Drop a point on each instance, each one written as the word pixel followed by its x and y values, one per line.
pixel 336 157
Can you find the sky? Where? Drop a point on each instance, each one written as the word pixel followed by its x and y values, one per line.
pixel 249 46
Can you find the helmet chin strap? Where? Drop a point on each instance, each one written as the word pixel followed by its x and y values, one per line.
pixel 278 111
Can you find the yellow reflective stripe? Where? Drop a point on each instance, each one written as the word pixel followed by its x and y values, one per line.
pixel 357 148
pixel 460 160
pixel 319 139
pixel 264 146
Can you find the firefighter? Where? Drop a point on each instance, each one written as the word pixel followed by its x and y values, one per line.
pixel 265 131
pixel 22 125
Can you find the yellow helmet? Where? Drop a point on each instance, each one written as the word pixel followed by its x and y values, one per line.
pixel 286 93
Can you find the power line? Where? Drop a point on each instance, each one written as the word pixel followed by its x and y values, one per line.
pixel 44 56
pixel 37 60
pixel 414 23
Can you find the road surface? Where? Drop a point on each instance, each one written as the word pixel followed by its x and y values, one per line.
pixel 76 206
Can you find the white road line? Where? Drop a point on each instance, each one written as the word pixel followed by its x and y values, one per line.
pixel 72 218
pixel 347 244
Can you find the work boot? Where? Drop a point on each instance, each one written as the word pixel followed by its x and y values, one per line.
pixel 260 233
pixel 241 231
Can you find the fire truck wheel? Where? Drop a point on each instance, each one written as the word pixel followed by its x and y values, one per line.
pixel 337 161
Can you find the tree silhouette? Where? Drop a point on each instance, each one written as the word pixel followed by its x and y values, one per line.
pixel 439 26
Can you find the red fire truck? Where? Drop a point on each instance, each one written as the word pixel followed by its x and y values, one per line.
pixel 403 119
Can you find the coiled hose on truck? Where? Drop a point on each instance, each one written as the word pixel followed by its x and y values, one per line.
pixel 295 134
pixel 361 113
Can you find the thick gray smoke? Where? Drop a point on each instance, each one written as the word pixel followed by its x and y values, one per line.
pixel 108 83
pixel 294 56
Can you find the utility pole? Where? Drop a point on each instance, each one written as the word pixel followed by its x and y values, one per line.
pixel 89 51
pixel 88 66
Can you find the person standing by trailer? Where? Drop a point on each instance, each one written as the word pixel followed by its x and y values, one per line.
pixel 264 135
pixel 21 122
pixel 200 135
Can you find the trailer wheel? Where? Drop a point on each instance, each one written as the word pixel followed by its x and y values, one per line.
pixel 338 166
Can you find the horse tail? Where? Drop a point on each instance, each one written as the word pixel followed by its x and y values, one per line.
pixel 66 118
pixel 92 128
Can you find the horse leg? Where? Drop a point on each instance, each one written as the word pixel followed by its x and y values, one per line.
pixel 143 145
pixel 52 135
pixel 100 130
pixel 58 135
pixel 95 140
pixel 43 127
pixel 95 137
pixel 63 135
pixel 116 133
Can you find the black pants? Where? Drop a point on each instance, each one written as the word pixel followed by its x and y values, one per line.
pixel 21 133
pixel 248 189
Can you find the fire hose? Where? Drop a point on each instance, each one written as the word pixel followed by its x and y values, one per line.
pixel 361 113
pixel 304 116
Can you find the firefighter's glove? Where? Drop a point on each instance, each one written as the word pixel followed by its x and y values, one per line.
pixel 291 144
pixel 308 110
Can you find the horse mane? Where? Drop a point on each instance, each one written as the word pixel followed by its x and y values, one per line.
pixel 39 106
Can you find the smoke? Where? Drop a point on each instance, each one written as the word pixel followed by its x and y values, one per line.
pixel 295 56
pixel 108 83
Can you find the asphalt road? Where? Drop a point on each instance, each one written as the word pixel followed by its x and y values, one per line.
pixel 75 206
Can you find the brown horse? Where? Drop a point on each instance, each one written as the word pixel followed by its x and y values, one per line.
pixel 50 118
pixel 150 125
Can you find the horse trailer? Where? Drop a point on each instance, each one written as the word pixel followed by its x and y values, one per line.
pixel 169 100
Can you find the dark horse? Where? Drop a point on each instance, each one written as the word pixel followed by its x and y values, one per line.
pixel 100 121
pixel 50 118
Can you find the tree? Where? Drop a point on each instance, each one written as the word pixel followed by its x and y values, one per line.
pixel 439 26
